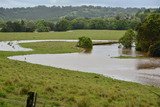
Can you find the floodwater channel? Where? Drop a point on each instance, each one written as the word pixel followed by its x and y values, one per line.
pixel 101 60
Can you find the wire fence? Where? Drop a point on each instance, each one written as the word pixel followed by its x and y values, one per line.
pixel 26 101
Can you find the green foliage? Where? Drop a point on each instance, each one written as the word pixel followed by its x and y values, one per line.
pixel 13 27
pixel 154 50
pixel 148 32
pixel 104 23
pixel 79 23
pixel 62 25
pixel 18 26
pixel 27 26
pixel 85 42
pixel 52 13
pixel 128 39
pixel 41 26
pixel 69 24
pixel 1 24
pixel 30 26
pixel 97 23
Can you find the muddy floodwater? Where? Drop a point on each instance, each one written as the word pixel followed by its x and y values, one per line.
pixel 101 60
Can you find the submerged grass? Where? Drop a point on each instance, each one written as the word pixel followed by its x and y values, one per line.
pixel 65 88
pixel 131 57
pixel 75 34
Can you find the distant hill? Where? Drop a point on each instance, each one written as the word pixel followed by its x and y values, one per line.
pixel 55 12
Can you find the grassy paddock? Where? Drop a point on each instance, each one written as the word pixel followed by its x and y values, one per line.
pixel 75 34
pixel 65 88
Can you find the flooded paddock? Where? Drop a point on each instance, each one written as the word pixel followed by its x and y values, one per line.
pixel 101 60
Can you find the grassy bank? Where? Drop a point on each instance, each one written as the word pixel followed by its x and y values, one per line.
pixel 93 34
pixel 65 88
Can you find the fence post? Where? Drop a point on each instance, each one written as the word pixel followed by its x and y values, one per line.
pixel 31 100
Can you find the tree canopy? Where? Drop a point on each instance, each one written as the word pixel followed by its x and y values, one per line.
pixel 148 32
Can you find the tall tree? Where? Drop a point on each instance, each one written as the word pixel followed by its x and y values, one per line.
pixel 62 25
pixel 148 32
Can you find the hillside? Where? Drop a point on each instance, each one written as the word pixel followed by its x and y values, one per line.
pixel 55 12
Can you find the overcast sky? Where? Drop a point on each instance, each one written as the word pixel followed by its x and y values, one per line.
pixel 111 3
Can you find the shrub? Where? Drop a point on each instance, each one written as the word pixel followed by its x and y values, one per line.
pixel 127 39
pixel 43 29
pixel 154 50
pixel 85 42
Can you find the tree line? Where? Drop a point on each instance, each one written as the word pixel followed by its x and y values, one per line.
pixel 121 20
pixel 68 23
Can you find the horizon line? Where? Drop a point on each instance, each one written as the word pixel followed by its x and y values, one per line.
pixel 79 6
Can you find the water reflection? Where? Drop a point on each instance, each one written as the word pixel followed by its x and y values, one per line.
pixel 87 51
pixel 100 61
pixel 129 52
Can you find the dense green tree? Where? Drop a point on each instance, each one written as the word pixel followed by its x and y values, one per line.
pixel 41 26
pixel 121 24
pixel 7 27
pixel 13 27
pixel 62 25
pixel 78 23
pixel 128 39
pixel 154 50
pixel 1 24
pixel 30 26
pixel 148 32
pixel 97 23
pixel 51 25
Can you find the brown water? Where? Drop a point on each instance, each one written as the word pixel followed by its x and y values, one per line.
pixel 101 61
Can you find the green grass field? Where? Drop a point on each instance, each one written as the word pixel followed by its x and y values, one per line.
pixel 65 88
pixel 93 34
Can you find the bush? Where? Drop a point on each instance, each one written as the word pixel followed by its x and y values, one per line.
pixel 43 29
pixel 154 50
pixel 127 39
pixel 62 25
pixel 85 42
